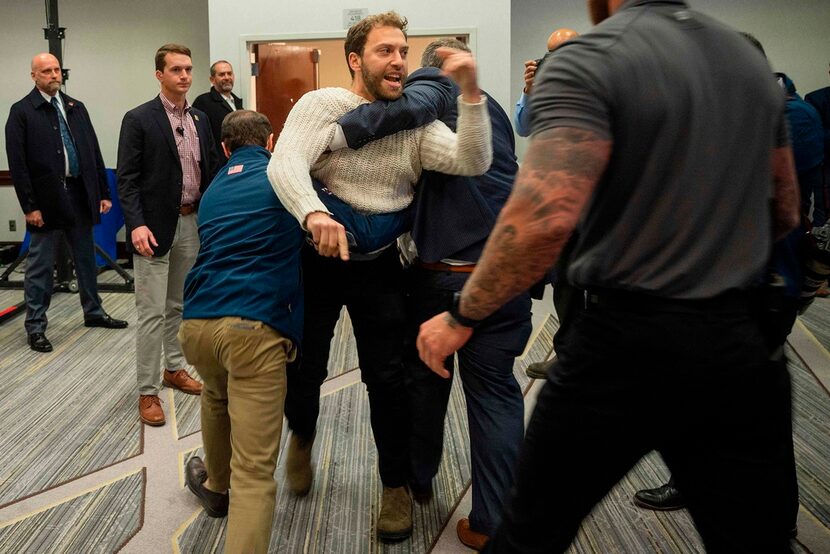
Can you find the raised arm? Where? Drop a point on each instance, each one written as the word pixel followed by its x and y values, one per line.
pixel 470 152
pixel 428 95
pixel 521 117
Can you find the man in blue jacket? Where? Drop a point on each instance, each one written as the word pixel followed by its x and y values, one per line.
pixel 243 320
pixel 60 180
pixel 453 217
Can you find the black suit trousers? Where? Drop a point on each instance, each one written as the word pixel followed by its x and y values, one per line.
pixel 697 387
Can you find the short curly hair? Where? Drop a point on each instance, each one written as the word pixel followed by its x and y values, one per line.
pixel 356 37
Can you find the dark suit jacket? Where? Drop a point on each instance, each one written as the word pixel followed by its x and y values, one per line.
pixel 150 173
pixel 216 109
pixel 453 215
pixel 38 165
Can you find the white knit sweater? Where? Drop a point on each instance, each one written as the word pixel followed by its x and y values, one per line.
pixel 379 177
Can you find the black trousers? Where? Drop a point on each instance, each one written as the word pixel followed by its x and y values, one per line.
pixel 696 385
pixel 373 292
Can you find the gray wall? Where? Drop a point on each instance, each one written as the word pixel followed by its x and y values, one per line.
pixel 109 48
pixel 795 35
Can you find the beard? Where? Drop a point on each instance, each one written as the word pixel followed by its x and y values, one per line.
pixel 374 86
pixel 52 87
pixel 599 10
pixel 225 87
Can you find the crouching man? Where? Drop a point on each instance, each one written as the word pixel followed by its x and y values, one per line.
pixel 242 323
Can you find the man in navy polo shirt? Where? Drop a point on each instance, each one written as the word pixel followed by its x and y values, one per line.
pixel 243 320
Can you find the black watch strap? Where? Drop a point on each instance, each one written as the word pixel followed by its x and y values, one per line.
pixel 456 314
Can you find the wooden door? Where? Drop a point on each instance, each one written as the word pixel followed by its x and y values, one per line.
pixel 285 73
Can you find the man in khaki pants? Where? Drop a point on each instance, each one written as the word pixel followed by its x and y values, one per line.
pixel 243 317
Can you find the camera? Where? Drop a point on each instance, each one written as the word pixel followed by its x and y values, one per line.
pixel 540 60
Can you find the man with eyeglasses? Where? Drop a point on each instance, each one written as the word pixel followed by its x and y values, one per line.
pixel 166 159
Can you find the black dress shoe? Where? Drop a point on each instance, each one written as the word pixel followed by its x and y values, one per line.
pixel 214 503
pixel 39 343
pixel 665 498
pixel 106 322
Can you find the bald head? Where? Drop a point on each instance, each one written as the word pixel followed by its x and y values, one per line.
pixel 46 73
pixel 560 37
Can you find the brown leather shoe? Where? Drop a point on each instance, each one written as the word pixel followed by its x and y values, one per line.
pixel 298 472
pixel 470 538
pixel 149 410
pixel 395 519
pixel 181 379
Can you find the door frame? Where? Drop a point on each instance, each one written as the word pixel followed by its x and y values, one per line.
pixel 246 43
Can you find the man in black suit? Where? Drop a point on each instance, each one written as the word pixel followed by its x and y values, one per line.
pixel 219 101
pixel 166 158
pixel 60 180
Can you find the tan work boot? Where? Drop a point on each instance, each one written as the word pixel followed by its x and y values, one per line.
pixel 395 519
pixel 298 465
pixel 149 410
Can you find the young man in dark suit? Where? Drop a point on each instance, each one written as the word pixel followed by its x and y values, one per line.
pixel 166 158
pixel 59 177
pixel 219 101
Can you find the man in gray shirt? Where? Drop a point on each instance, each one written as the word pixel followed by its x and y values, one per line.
pixel 658 136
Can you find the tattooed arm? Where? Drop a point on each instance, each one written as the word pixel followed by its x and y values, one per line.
pixel 554 184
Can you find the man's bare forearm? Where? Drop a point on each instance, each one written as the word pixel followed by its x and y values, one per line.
pixel 786 198
pixel 557 178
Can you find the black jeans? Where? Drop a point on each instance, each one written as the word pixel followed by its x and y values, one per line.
pixel 372 291
pixel 697 387
pixel 495 406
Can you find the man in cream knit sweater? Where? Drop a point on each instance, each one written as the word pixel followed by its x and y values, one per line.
pixel 378 178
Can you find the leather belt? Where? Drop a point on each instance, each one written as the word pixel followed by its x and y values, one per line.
pixel 187 209
pixel 441 266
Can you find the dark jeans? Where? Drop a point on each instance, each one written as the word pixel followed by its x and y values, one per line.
pixel 372 291
pixel 495 406
pixel 38 283
pixel 696 386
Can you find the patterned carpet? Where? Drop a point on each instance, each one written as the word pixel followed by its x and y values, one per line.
pixel 817 320
pixel 99 521
pixel 811 438
pixel 69 412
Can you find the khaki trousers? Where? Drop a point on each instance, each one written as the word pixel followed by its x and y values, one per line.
pixel 159 289
pixel 242 363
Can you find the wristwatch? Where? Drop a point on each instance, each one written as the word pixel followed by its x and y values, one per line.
pixel 456 313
